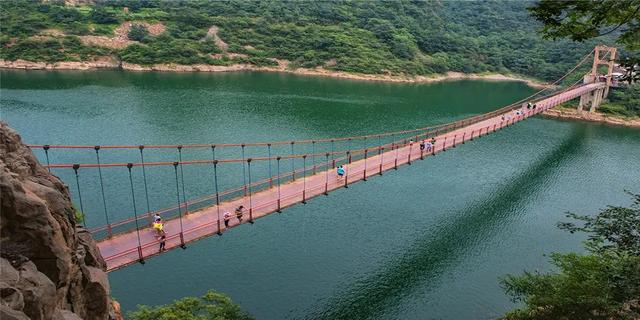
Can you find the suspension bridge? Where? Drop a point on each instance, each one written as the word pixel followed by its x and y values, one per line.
pixel 133 240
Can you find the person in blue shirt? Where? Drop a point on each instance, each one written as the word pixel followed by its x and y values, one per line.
pixel 340 171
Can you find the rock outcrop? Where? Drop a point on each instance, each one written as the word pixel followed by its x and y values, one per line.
pixel 50 267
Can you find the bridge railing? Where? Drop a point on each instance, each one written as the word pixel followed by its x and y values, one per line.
pixel 345 157
pixel 338 157
pixel 175 240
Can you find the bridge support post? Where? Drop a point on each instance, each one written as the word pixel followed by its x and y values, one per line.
pixel 604 56
pixel 304 179
pixel 587 97
pixel 395 164
pixel 326 176
pixel 279 209
pixel 381 153
pixel 250 192
pixel 293 165
pixel 182 245
pixel 364 175
pixel 584 100
pixel 346 179
pixel 597 99
pixel 140 256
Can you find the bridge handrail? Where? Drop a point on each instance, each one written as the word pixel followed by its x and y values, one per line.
pixel 322 164
pixel 307 141
pixel 439 128
pixel 257 184
pixel 356 173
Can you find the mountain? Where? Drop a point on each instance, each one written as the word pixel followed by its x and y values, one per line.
pixel 371 37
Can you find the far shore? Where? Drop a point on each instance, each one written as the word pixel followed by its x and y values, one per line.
pixel 109 63
pixel 585 115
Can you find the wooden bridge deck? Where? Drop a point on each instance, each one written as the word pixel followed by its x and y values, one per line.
pixel 122 250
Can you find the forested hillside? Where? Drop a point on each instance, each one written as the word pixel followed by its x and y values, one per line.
pixel 374 37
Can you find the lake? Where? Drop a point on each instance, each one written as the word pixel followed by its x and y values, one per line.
pixel 429 241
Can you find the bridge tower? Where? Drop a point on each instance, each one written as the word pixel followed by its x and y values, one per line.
pixel 603 55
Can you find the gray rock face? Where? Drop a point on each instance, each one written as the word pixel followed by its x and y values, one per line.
pixel 41 275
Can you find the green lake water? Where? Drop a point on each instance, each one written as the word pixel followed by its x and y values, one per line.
pixel 429 241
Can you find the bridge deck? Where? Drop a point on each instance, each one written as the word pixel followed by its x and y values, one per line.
pixel 122 250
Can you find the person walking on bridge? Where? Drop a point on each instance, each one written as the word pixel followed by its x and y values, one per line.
pixel 341 172
pixel 428 146
pixel 239 213
pixel 227 217
pixel 158 225
pixel 163 241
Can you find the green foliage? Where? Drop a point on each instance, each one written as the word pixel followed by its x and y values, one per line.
pixel 623 101
pixel 631 66
pixel 51 50
pixel 397 37
pixel 212 306
pixel 592 286
pixel 585 287
pixel 22 19
pixel 581 20
pixel 614 228
pixel 79 215
pixel 165 49
pixel 103 16
pixel 138 32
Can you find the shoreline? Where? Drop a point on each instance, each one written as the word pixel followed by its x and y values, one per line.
pixel 111 63
pixel 573 114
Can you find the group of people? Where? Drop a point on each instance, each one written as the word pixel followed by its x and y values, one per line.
pixel 427 145
pixel 520 112
pixel 341 170
pixel 158 225
pixel 239 213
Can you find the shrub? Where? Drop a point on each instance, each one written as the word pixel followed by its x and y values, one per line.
pixel 211 306
pixel 102 16
pixel 138 32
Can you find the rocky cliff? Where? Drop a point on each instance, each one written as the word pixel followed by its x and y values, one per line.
pixel 50 267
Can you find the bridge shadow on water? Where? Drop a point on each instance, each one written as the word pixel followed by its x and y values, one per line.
pixel 430 255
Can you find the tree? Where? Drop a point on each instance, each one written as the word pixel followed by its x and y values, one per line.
pixel 212 306
pixel 100 15
pixel 631 66
pixel 614 228
pixel 604 284
pixel 584 19
pixel 138 32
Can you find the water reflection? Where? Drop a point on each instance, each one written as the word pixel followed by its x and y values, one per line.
pixel 428 257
